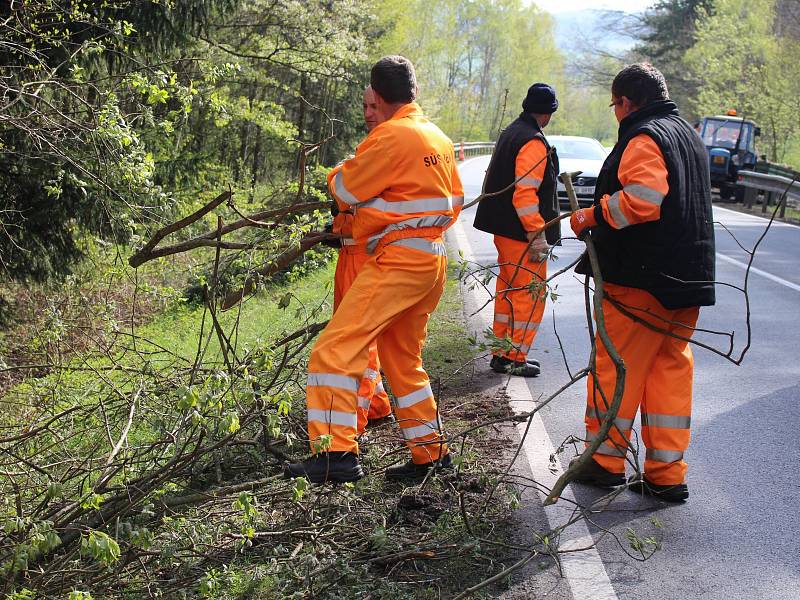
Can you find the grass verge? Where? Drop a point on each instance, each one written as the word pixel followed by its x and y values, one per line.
pixel 222 523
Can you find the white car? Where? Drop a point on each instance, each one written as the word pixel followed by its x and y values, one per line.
pixel 578 154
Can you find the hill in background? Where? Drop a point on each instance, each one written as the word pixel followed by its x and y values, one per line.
pixel 595 30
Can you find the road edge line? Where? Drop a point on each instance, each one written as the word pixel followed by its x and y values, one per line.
pixel 765 274
pixel 584 571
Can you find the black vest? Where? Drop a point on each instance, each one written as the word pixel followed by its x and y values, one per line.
pixel 672 258
pixel 497 214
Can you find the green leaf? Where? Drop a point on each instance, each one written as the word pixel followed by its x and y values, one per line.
pixel 299 488
pixel 101 547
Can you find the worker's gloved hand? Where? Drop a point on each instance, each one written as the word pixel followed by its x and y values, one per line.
pixel 581 220
pixel 333 241
pixel 538 249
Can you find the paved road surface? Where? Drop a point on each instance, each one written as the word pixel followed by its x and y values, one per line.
pixel 738 536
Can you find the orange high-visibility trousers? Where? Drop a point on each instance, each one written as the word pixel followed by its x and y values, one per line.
pixel 373 401
pixel 518 310
pixel 658 377
pixel 390 301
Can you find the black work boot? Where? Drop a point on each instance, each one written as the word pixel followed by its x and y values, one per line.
pixel 528 368
pixel 411 470
pixel 594 474
pixel 372 423
pixel 338 467
pixel 669 493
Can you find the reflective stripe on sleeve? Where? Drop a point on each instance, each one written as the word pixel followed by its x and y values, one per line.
pixel 341 191
pixel 665 456
pixel 363 402
pixel 616 211
pixel 530 181
pixel 333 417
pixel 645 193
pixel 332 380
pixel 415 397
pixel 666 421
pixel 532 209
pixel 349 242
pixel 370 373
pixel 422 244
pixel 379 389
pixel 420 431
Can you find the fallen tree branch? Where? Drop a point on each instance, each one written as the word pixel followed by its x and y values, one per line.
pixel 602 332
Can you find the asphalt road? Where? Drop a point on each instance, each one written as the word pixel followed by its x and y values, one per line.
pixel 738 536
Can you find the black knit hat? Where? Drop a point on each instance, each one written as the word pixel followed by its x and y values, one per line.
pixel 541 99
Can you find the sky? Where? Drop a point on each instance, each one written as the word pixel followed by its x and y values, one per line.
pixel 557 6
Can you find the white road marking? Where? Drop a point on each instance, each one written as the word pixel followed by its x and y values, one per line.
pixel 750 217
pixel 770 276
pixel 584 571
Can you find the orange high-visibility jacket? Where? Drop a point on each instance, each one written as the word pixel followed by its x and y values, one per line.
pixel 643 175
pixel 399 183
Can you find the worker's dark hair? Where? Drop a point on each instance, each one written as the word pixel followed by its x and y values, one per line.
pixel 394 79
pixel 641 83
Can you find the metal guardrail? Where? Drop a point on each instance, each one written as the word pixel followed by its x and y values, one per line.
pixel 473 149
pixel 775 188
pixel 771 168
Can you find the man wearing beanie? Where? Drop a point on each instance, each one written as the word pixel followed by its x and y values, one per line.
pixel 523 170
pixel 653 230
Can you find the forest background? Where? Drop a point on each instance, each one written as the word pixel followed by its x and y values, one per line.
pixel 121 115
pixel 120 387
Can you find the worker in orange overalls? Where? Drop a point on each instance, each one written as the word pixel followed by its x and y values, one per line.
pixel 653 230
pixel 373 401
pixel 523 174
pixel 404 191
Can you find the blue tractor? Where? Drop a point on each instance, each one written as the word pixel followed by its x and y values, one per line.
pixel 730 141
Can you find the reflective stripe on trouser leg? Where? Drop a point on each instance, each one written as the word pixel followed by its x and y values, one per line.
pixel 332 401
pixel 379 405
pixel 400 349
pixel 615 445
pixel 667 403
pixel 373 402
pixel 381 297
pixel 637 346
pixel 518 312
pixel 422 433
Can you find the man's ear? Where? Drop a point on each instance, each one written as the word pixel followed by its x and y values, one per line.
pixel 379 101
pixel 627 105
